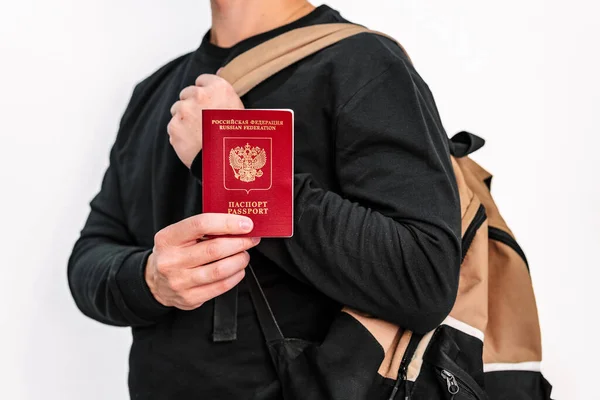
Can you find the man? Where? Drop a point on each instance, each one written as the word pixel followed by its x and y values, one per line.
pixel 377 218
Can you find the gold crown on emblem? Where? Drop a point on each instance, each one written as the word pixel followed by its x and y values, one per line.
pixel 246 162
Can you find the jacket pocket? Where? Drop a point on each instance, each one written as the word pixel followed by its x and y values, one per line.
pixel 343 366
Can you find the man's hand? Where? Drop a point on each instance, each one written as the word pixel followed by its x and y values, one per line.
pixel 185 128
pixel 185 270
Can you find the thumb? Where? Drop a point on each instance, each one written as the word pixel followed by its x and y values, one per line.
pixel 219 71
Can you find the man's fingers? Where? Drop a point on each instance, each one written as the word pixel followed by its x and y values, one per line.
pixel 191 92
pixel 193 228
pixel 207 79
pixel 216 249
pixel 218 270
pixel 211 250
pixel 175 108
pixel 195 297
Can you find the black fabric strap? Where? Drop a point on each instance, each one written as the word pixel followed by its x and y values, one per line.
pixel 267 320
pixel 225 317
pixel 464 143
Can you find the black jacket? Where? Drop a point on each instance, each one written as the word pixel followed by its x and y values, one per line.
pixel 377 216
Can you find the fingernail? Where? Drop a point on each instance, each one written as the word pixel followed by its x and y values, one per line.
pixel 255 240
pixel 246 224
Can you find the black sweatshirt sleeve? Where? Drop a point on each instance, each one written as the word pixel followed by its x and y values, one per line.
pixel 106 268
pixel 389 243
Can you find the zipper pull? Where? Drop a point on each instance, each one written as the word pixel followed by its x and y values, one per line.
pixel 405 379
pixel 394 391
pixel 401 378
pixel 451 382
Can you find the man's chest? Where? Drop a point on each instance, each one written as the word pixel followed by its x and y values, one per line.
pixel 158 190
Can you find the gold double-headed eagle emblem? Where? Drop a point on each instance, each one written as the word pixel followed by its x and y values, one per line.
pixel 247 162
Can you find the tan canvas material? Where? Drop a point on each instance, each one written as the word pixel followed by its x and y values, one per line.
pixel 259 63
pixel 495 302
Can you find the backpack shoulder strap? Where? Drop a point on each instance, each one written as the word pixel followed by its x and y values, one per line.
pixel 261 62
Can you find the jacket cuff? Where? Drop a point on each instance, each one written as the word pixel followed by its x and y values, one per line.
pixel 196 167
pixel 135 291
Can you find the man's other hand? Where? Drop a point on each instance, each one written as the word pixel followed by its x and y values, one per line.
pixel 185 128
pixel 185 269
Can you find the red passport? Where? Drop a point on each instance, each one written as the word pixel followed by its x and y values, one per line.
pixel 248 167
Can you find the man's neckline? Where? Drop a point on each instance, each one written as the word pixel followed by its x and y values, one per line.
pixel 222 53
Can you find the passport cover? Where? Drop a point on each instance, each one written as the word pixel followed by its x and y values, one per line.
pixel 248 167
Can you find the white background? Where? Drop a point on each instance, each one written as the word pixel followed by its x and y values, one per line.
pixel 522 74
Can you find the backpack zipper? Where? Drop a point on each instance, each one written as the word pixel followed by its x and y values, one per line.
pixel 471 231
pixel 503 237
pixel 452 383
pixel 402 371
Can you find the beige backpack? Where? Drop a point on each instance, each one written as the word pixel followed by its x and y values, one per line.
pixel 488 347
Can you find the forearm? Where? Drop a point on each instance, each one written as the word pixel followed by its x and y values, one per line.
pixel 402 271
pixel 106 267
pixel 107 283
